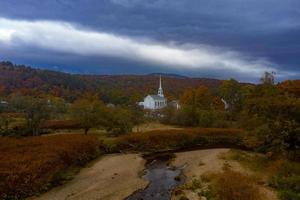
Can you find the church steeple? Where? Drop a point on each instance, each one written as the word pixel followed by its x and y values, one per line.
pixel 160 90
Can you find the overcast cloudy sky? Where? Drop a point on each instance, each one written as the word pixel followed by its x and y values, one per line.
pixel 205 38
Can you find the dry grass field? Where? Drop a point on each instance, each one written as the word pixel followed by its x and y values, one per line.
pixel 152 126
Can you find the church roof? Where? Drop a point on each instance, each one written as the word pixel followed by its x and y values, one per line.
pixel 158 98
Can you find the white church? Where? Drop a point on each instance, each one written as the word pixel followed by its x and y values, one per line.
pixel 155 102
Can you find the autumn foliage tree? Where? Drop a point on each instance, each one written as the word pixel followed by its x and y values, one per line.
pixel 119 121
pixel 137 116
pixel 36 110
pixel 200 98
pixel 273 117
pixel 88 112
pixel 291 87
pixel 199 107
pixel 231 92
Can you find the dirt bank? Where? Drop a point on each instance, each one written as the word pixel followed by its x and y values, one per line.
pixel 112 177
pixel 115 177
pixel 202 161
pixel 199 162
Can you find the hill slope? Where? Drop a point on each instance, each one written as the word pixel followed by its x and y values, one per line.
pixel 112 88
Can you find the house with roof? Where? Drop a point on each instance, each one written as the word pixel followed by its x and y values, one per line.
pixel 155 102
pixel 175 104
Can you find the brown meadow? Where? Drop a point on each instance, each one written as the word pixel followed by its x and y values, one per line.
pixel 30 165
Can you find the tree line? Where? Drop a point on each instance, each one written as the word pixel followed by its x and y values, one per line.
pixel 86 112
pixel 268 112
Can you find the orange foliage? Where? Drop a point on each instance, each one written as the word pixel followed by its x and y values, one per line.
pixel 218 104
pixel 29 81
pixel 201 97
pixel 291 87
pixel 196 96
pixel 28 165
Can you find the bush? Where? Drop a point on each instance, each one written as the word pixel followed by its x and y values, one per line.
pixel 287 180
pixel 192 116
pixel 109 146
pixel 60 124
pixel 159 140
pixel 288 195
pixel 283 175
pixel 207 118
pixel 231 185
pixel 119 121
pixel 29 165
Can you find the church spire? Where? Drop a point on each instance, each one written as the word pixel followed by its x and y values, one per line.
pixel 160 90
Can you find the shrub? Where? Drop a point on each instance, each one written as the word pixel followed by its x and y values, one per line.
pixel 119 121
pixel 283 175
pixel 231 185
pixel 254 162
pixel 109 146
pixel 60 124
pixel 206 118
pixel 159 140
pixel 287 180
pixel 29 165
pixel 288 195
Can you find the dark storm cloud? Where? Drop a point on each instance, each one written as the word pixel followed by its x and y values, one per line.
pixel 260 29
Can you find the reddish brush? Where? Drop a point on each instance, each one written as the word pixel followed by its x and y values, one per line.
pixel 231 185
pixel 29 165
pixel 170 139
pixel 60 124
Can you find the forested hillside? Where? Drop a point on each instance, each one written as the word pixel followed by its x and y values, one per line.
pixel 117 89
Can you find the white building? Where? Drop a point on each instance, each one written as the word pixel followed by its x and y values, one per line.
pixel 155 102
pixel 226 105
pixel 3 102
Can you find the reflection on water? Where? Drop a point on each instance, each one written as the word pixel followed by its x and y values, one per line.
pixel 162 178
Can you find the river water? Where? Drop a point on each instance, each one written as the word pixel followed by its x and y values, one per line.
pixel 163 179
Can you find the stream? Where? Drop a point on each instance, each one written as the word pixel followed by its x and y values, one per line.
pixel 162 177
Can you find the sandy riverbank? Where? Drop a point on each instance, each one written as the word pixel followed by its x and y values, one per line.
pixel 115 177
pixel 112 177
pixel 200 162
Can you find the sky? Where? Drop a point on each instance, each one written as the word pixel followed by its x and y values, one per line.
pixel 220 39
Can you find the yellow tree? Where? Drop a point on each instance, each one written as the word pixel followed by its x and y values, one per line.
pixel 291 87
pixel 198 107
pixel 200 98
